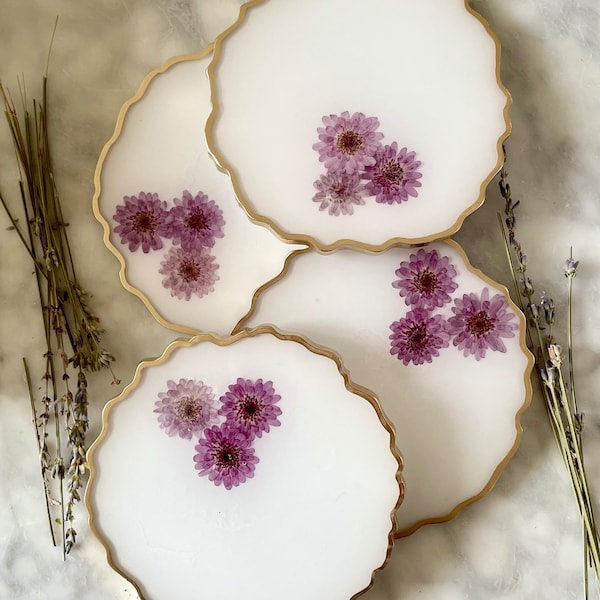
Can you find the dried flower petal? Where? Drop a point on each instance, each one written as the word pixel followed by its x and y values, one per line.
pixel 339 192
pixel 250 405
pixel 479 323
pixel 141 221
pixel 426 280
pixel 225 455
pixel 194 222
pixel 418 337
pixel 348 142
pixel 189 272
pixel 394 176
pixel 186 408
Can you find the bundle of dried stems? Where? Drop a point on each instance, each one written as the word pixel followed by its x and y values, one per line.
pixel 72 333
pixel 555 374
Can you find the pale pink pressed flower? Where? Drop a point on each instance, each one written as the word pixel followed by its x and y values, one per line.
pixel 195 221
pixel 338 192
pixel 479 323
pixel 418 337
pixel 426 280
pixel 348 142
pixel 250 405
pixel 189 272
pixel 186 408
pixel 394 176
pixel 225 455
pixel 141 221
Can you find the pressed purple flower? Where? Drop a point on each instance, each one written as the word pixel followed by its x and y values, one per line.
pixel 225 455
pixel 479 323
pixel 418 337
pixel 426 280
pixel 141 221
pixel 189 272
pixel 394 176
pixel 195 221
pixel 348 142
pixel 339 192
pixel 186 408
pixel 250 405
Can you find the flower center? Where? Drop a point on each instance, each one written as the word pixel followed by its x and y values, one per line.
pixel 480 324
pixel 417 337
pixel 144 222
pixel 229 456
pixel 196 220
pixel 337 190
pixel 187 410
pixel 250 408
pixel 188 270
pixel 349 142
pixel 392 172
pixel 426 281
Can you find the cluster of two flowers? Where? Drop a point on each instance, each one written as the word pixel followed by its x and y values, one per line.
pixel 225 451
pixel 478 323
pixel 192 224
pixel 351 149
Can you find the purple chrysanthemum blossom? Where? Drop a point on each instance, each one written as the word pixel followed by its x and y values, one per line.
pixel 225 455
pixel 195 221
pixel 141 221
pixel 187 407
pixel 339 192
pixel 348 142
pixel 251 406
pixel 426 280
pixel 394 176
pixel 189 272
pixel 418 337
pixel 479 323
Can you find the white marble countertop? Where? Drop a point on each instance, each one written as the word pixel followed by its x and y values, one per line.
pixel 523 540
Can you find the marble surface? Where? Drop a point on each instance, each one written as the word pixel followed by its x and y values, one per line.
pixel 521 541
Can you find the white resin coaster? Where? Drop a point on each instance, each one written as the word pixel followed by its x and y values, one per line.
pixel 246 467
pixel 358 122
pixel 439 343
pixel 186 247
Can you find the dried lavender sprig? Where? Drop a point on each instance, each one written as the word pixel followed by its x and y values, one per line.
pixel 59 472
pixel 41 452
pixel 549 377
pixel 563 436
pixel 570 272
pixel 66 313
pixel 45 218
pixel 566 421
pixel 76 435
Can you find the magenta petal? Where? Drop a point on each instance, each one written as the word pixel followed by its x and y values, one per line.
pixel 478 324
pixel 393 175
pixel 250 406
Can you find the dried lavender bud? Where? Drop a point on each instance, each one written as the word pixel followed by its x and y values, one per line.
pixel 526 287
pixel 534 312
pixel 578 418
pixel 571 267
pixel 549 375
pixel 555 354
pixel 548 305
